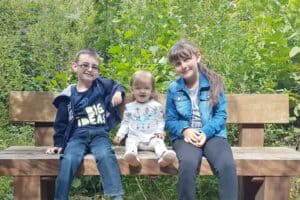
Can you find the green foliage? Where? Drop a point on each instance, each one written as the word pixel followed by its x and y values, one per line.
pixel 254 45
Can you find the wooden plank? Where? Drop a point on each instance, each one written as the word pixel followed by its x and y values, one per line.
pixel 27 188
pixel 258 108
pixel 31 107
pixel 275 188
pixel 43 134
pixel 263 161
pixel 242 108
pixel 251 135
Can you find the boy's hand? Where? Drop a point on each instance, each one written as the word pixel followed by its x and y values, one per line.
pixel 53 150
pixel 116 99
pixel 117 140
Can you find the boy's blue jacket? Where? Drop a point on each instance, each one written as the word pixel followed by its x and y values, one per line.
pixel 65 122
pixel 179 110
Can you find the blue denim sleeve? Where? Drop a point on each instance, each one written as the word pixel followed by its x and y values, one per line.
pixel 218 120
pixel 174 124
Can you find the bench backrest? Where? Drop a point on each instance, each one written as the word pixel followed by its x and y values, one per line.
pixel 250 111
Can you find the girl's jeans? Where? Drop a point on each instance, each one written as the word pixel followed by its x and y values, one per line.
pixel 81 143
pixel 219 155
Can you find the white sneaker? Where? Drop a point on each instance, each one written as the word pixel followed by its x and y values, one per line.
pixel 132 159
pixel 167 158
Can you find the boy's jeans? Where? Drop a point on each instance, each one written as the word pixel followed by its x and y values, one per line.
pixel 81 143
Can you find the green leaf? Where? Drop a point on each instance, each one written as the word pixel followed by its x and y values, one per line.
pixel 128 34
pixel 39 78
pixel 163 60
pixel 294 51
pixel 115 49
pixel 154 49
pixel 297 110
pixel 76 183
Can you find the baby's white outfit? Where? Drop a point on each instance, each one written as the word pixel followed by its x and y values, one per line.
pixel 141 121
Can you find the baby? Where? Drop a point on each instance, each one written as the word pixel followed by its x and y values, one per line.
pixel 143 122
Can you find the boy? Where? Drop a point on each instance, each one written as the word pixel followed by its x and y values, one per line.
pixel 85 114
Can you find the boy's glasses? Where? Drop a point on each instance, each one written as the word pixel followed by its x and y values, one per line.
pixel 87 66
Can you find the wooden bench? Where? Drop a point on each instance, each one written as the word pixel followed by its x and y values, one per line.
pixel 31 167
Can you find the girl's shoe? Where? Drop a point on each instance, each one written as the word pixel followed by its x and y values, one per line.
pixel 167 158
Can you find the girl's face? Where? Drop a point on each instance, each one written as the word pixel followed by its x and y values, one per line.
pixel 187 67
pixel 87 68
pixel 142 90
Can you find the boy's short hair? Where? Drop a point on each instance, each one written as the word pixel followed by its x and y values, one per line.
pixel 88 51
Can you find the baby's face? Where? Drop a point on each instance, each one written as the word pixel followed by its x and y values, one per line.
pixel 142 90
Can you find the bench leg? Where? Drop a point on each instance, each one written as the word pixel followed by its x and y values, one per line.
pixel 27 188
pixel 275 188
pixel 248 187
pixel 48 187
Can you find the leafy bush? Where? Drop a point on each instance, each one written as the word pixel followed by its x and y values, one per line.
pixel 253 44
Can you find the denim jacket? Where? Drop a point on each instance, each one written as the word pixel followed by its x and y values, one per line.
pixel 179 110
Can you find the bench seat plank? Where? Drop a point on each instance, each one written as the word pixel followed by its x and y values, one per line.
pixel 250 161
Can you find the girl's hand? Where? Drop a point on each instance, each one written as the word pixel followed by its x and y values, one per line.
pixel 190 136
pixel 54 150
pixel 116 99
pixel 194 137
pixel 202 139
pixel 117 140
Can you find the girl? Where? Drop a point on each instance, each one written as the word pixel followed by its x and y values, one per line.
pixel 143 123
pixel 196 121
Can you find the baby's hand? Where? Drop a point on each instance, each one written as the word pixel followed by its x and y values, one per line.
pixel 117 140
pixel 54 150
pixel 116 99
pixel 160 136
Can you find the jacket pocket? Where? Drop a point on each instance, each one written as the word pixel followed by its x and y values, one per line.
pixel 182 104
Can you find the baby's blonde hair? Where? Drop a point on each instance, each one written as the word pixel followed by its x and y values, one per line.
pixel 140 77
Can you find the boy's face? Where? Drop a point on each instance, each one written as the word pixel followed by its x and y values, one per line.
pixel 87 68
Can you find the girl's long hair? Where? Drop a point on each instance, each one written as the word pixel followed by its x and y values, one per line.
pixel 186 49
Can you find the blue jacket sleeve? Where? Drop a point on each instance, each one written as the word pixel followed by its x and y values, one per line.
pixel 111 87
pixel 218 120
pixel 60 124
pixel 174 125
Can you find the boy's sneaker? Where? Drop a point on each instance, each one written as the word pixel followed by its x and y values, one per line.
pixel 132 159
pixel 167 158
